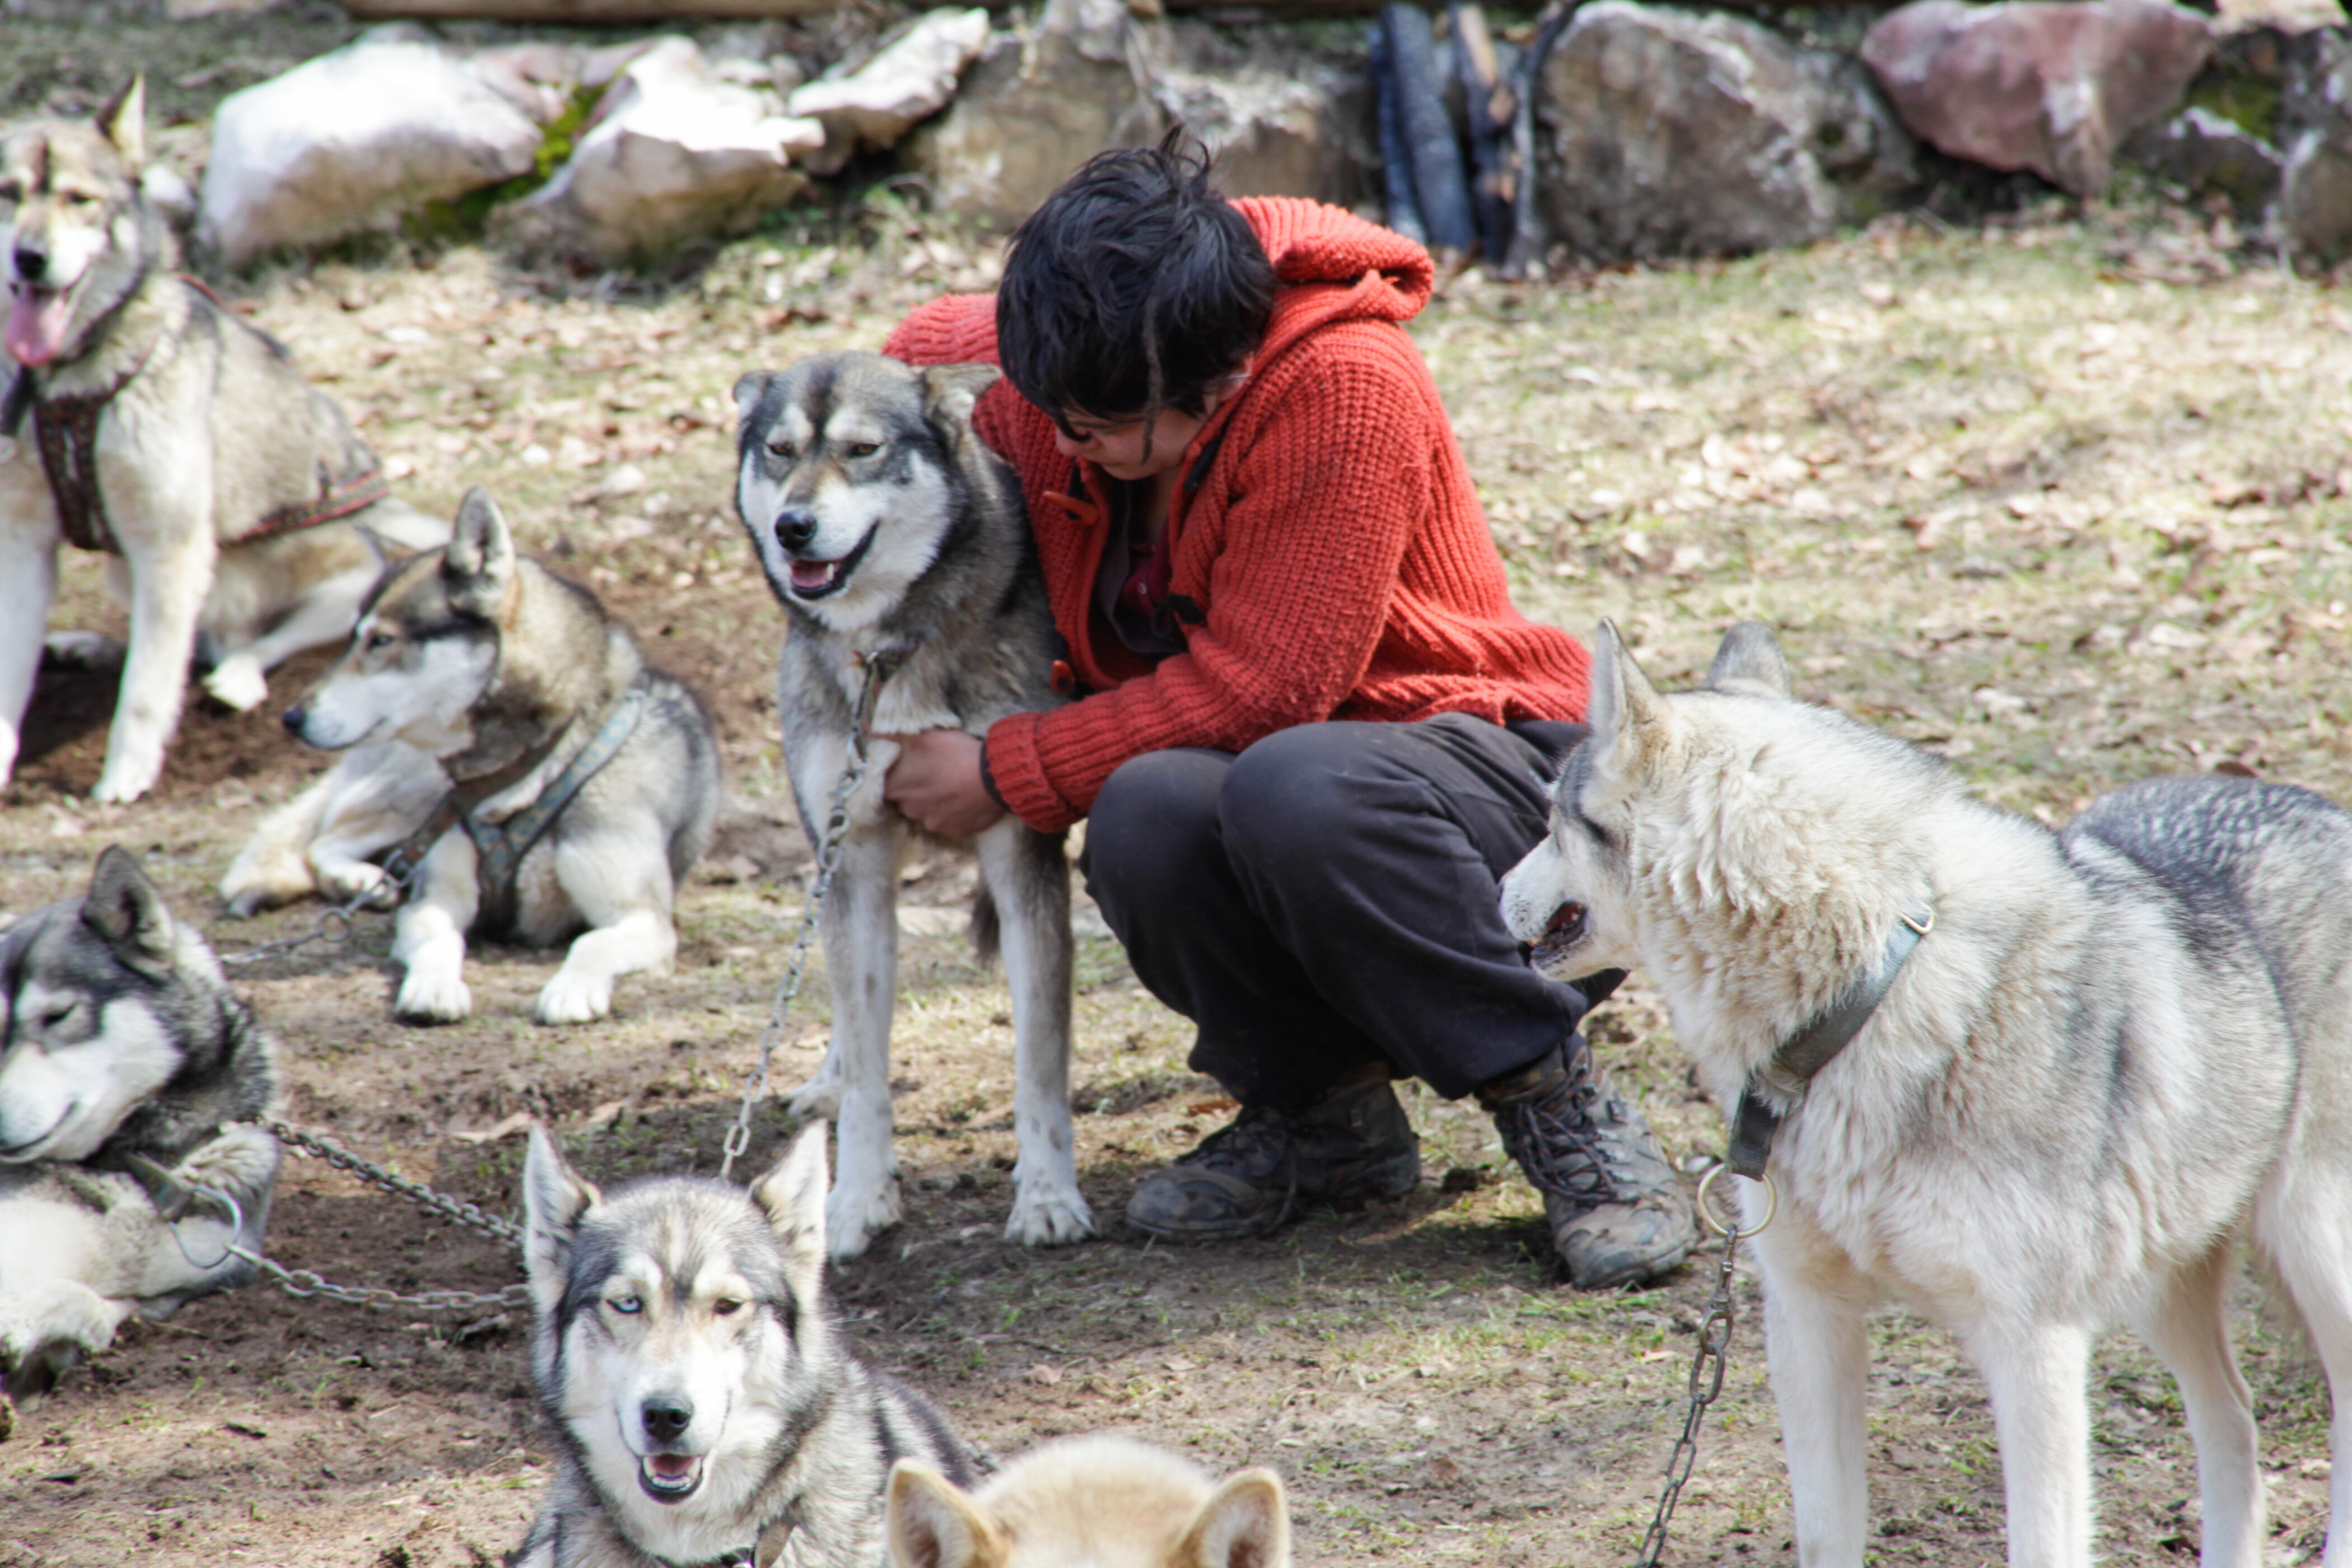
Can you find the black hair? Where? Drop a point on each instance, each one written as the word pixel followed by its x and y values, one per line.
pixel 1136 287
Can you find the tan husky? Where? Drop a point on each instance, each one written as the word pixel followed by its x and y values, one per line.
pixel 1100 1502
pixel 244 519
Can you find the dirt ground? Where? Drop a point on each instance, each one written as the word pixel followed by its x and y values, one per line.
pixel 2063 499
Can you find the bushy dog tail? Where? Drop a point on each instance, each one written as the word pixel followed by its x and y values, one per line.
pixel 987 926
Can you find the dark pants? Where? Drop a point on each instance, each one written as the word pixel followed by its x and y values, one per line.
pixel 1328 898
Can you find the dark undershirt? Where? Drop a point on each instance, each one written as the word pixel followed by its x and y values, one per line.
pixel 1128 588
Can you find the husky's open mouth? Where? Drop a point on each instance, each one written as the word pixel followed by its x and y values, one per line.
pixel 669 1478
pixel 38 320
pixel 1564 931
pixel 819 579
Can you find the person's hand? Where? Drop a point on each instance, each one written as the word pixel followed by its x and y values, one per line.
pixel 936 782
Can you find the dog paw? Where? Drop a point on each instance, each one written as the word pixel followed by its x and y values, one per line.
pixel 1049 1219
pixel 852 1220
pixel 341 884
pixel 237 682
pixel 127 776
pixel 82 650
pixel 817 1099
pixel 571 998
pixel 429 999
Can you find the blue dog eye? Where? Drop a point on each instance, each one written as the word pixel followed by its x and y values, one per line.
pixel 626 1304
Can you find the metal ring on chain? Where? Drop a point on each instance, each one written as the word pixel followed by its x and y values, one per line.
pixel 236 1228
pixel 1733 1232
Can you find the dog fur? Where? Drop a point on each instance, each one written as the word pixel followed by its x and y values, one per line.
pixel 465 661
pixel 1090 1502
pixel 2121 1051
pixel 214 431
pixel 118 1038
pixel 701 1399
pixel 883 522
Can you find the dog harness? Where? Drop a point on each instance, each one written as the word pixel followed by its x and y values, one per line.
pixel 1755 1123
pixel 66 428
pixel 501 846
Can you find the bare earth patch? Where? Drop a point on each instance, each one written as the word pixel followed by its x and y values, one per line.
pixel 2059 498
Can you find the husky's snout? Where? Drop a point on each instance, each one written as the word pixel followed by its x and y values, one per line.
pixel 666 1419
pixel 32 265
pixel 796 528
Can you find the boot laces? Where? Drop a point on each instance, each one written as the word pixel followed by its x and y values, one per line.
pixel 1259 1141
pixel 1559 1141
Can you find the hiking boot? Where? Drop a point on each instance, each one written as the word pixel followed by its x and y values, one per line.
pixel 1618 1215
pixel 1248 1178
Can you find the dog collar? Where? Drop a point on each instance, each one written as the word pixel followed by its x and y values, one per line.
pixel 1755 1123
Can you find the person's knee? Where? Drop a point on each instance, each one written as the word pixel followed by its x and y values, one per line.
pixel 1296 792
pixel 1155 816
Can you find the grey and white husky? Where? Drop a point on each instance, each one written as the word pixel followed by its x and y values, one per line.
pixel 887 528
pixel 243 519
pixel 121 1046
pixel 2117 1053
pixel 588 781
pixel 704 1408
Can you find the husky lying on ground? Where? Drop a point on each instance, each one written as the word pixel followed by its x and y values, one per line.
pixel 121 1046
pixel 1107 1502
pixel 887 528
pixel 2116 1053
pixel 585 781
pixel 245 520
pixel 704 1408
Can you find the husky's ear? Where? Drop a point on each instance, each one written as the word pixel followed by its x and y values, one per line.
pixel 124 908
pixel 1750 663
pixel 554 1197
pixel 751 387
pixel 123 121
pixel 1246 1524
pixel 478 568
pixel 1624 703
pixel 934 1523
pixel 793 1197
pixel 950 390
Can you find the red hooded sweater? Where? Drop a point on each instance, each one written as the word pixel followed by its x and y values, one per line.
pixel 1335 547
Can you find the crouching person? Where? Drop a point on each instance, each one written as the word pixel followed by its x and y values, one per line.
pixel 1312 728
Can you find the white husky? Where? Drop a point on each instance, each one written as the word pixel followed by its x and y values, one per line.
pixel 2118 1052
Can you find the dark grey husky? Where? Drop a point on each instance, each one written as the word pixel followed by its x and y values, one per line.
pixel 887 529
pixel 120 1048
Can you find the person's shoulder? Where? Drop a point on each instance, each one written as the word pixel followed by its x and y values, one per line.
pixel 954 329
pixel 1348 362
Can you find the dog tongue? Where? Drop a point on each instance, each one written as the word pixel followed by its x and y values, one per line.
pixel 36 325
pixel 808 576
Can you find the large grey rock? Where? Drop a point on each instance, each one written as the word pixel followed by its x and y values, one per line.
pixel 1282 117
pixel 1670 133
pixel 675 154
pixel 351 141
pixel 2200 151
pixel 2314 207
pixel 2052 86
pixel 910 80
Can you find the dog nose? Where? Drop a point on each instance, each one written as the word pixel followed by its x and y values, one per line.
pixel 666 1419
pixel 293 719
pixel 795 526
pixel 32 265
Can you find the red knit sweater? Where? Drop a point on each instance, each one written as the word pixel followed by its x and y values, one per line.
pixel 1335 547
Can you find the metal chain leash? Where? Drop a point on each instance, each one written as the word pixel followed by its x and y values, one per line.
pixel 334 925
pixel 1710 1362
pixel 304 1283
pixel 878 668
pixel 454 1209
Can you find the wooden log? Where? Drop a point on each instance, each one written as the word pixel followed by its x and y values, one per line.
pixel 580 13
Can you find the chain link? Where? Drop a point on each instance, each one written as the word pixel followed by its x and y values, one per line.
pixel 304 1283
pixel 455 1209
pixel 878 668
pixel 1708 1363
pixel 334 925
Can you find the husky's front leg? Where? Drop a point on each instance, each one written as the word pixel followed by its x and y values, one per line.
pixel 429 934
pixel 45 1330
pixel 325 613
pixel 170 575
pixel 1818 1354
pixel 1030 880
pixel 861 960
pixel 629 923
pixel 2033 1374
pixel 29 581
